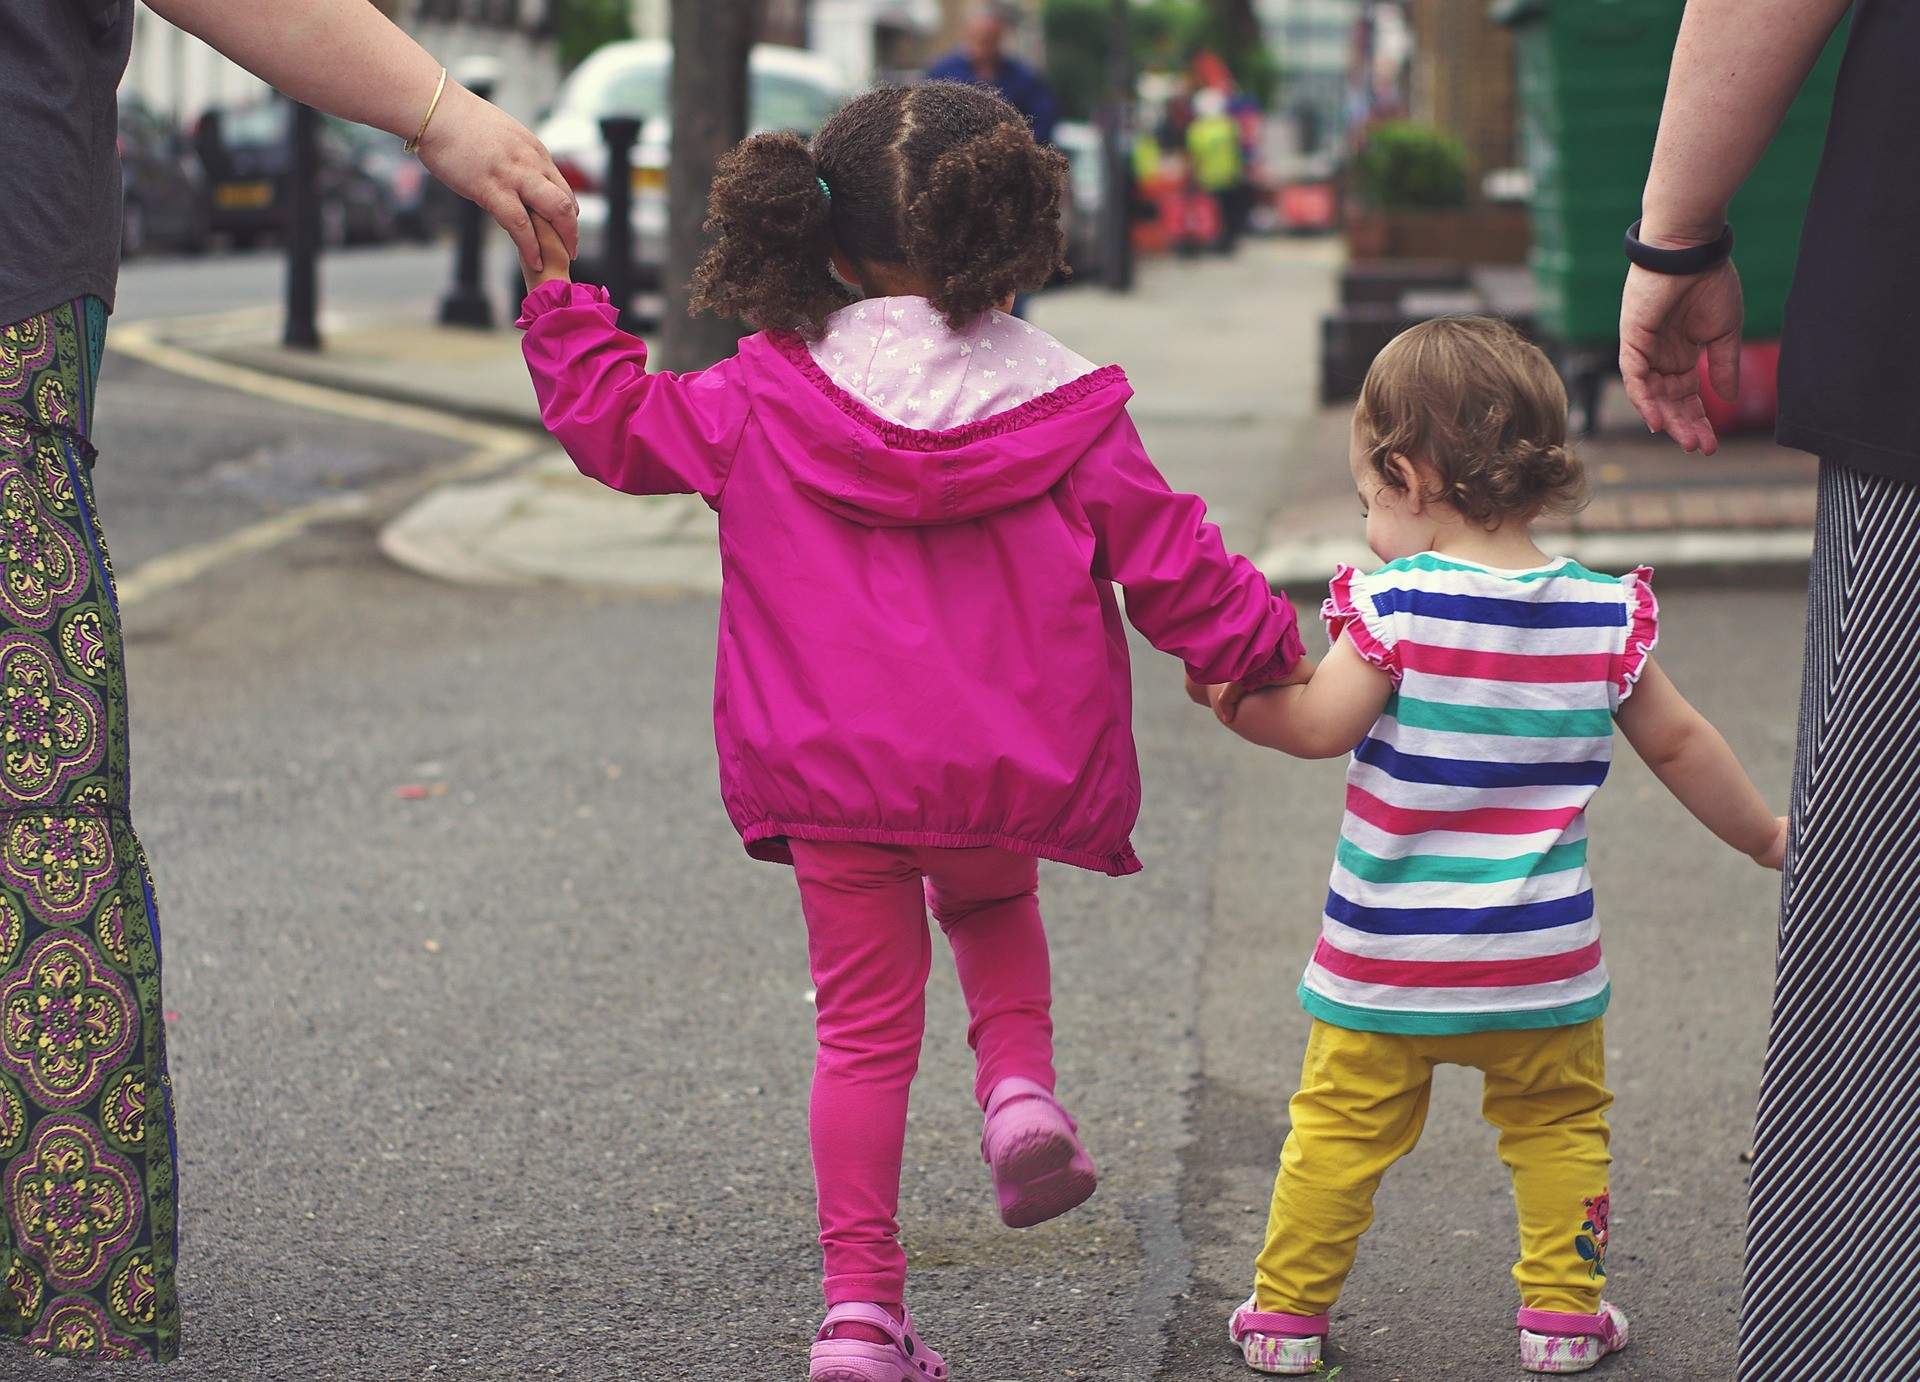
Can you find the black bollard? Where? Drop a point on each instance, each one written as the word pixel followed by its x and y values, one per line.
pixel 466 302
pixel 1116 156
pixel 303 232
pixel 621 132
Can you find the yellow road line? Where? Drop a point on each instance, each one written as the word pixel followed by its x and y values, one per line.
pixel 492 449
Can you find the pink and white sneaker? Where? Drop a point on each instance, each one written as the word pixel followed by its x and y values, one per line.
pixel 1040 1170
pixel 1555 1341
pixel 902 1359
pixel 1272 1342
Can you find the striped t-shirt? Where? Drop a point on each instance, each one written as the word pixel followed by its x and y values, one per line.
pixel 1460 899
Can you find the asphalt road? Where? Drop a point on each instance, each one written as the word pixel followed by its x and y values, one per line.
pixel 375 277
pixel 508 1081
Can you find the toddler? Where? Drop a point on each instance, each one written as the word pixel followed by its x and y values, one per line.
pixel 1476 681
pixel 922 685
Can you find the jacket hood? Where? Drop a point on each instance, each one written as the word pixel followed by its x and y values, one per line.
pixel 863 467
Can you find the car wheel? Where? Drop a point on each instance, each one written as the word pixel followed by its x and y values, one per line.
pixel 199 232
pixel 133 230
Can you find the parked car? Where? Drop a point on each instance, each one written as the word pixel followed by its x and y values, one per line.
pixel 163 191
pixel 788 89
pixel 248 155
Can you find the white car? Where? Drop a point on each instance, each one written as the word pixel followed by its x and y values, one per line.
pixel 788 89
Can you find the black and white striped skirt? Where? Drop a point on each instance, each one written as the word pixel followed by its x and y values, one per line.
pixel 1833 1233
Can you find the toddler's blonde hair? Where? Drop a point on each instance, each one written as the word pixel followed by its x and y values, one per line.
pixel 1484 408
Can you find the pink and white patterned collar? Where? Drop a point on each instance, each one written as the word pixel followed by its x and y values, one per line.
pixel 898 356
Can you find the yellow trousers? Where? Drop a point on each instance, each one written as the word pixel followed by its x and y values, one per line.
pixel 1361 1107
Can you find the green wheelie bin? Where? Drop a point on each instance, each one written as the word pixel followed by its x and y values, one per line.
pixel 1591 75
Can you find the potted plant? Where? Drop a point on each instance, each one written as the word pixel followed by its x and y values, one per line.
pixel 1411 201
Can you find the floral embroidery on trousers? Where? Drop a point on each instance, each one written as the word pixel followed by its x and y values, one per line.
pixel 86 1111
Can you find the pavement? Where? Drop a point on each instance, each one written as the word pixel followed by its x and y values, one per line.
pixel 1222 358
pixel 491 1047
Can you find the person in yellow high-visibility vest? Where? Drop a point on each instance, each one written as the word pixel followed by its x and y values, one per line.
pixel 1213 150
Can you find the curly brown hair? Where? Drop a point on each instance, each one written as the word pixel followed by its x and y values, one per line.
pixel 1479 404
pixel 942 181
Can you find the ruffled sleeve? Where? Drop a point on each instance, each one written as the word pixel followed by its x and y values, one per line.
pixel 1355 616
pixel 559 293
pixel 1643 629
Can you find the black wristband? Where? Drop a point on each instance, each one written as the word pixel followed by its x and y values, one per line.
pixel 1695 259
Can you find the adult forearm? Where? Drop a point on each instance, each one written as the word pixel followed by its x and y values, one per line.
pixel 342 56
pixel 1736 67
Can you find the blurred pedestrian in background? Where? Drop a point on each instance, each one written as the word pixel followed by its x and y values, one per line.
pixel 982 60
pixel 1830 1287
pixel 86 1119
pixel 1219 171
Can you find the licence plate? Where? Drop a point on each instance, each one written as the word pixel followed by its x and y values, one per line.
pixel 242 196
pixel 649 179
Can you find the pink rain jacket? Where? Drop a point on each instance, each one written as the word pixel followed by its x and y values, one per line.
pixel 919 638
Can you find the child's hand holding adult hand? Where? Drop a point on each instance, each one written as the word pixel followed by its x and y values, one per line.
pixel 1775 854
pixel 556 266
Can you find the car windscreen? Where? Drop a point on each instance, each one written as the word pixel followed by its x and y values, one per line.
pixel 789 103
pixel 253 127
pixel 636 90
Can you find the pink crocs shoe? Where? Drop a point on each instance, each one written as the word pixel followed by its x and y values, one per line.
pixel 904 1359
pixel 1554 1341
pixel 1276 1343
pixel 1040 1170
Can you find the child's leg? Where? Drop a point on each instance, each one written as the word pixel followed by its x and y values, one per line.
pixel 1361 1107
pixel 986 901
pixel 1548 1097
pixel 868 944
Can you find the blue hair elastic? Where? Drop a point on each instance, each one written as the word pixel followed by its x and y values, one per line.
pixel 825 190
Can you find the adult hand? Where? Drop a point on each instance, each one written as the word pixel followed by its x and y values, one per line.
pixel 492 159
pixel 1665 320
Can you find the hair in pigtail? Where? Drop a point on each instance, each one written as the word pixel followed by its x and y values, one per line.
pixel 942 179
pixel 771 215
pixel 987 223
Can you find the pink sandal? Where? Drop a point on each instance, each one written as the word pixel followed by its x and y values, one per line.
pixel 905 1359
pixel 1040 1170
pixel 1554 1341
pixel 1288 1345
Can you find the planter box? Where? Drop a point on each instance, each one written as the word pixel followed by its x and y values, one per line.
pixel 1471 235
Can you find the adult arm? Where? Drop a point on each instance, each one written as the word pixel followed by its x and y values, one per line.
pixel 349 60
pixel 1736 67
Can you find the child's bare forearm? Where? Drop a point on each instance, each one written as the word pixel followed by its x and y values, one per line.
pixel 1268 717
pixel 1692 760
pixel 1706 778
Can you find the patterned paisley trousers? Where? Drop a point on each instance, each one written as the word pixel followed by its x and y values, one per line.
pixel 86 1118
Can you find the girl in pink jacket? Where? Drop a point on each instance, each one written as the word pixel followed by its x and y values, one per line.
pixel 922 685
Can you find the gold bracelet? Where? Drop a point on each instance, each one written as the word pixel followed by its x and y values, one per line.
pixel 412 146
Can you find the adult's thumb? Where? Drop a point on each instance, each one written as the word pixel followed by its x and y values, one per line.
pixel 1723 365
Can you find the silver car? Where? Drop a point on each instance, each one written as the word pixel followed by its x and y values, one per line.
pixel 788 89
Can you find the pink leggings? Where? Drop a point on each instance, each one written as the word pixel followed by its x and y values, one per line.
pixel 867 940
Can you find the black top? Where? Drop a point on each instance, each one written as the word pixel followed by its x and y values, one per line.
pixel 60 65
pixel 1850 353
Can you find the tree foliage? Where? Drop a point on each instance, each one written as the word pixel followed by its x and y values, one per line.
pixel 1165 35
pixel 584 25
pixel 1406 167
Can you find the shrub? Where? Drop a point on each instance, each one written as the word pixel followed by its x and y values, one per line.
pixel 1409 167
